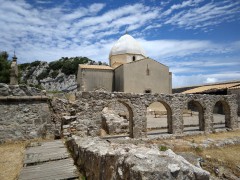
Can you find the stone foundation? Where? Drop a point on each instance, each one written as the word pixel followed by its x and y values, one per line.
pixel 101 159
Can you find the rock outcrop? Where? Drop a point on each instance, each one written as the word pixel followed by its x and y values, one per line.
pixel 41 76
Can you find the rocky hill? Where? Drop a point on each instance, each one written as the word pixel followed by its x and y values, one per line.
pixel 58 75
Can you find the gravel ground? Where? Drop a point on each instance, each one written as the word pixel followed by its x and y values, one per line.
pixel 156 124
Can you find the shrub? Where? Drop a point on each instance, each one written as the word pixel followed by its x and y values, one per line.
pixel 56 65
pixel 198 149
pixel 23 66
pixel 163 148
pixel 35 63
pixel 4 68
pixel 54 74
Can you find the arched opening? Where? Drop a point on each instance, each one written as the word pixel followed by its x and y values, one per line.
pixel 159 118
pixel 221 115
pixel 193 117
pixel 117 120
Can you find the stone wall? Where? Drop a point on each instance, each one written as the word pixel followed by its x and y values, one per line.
pixel 237 92
pixel 19 90
pixel 89 106
pixel 24 118
pixel 101 159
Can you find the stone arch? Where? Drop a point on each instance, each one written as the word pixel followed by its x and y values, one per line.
pixel 168 115
pixel 194 106
pixel 221 107
pixel 129 115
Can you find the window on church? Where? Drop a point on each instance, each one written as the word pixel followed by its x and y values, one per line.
pixel 148 91
pixel 147 71
pixel 134 58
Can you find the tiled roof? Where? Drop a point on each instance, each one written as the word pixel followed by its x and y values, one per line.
pixel 84 66
pixel 235 87
pixel 202 89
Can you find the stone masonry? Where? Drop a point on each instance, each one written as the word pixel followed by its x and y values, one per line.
pixel 101 159
pixel 24 118
pixel 89 106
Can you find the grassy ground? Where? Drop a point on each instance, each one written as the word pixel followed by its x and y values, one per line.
pixel 11 159
pixel 225 157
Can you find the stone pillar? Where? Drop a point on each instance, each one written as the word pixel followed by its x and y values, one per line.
pixel 208 119
pixel 14 71
pixel 177 117
pixel 233 117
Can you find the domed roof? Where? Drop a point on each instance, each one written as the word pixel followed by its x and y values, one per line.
pixel 126 44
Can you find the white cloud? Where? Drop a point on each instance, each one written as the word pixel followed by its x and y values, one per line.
pixel 50 33
pixel 209 14
pixel 198 79
pixel 166 49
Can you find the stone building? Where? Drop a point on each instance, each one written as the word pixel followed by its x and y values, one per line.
pixel 130 70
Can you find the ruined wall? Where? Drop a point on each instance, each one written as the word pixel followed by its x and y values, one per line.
pixel 89 106
pixel 99 159
pixel 24 118
pixel 19 90
pixel 237 92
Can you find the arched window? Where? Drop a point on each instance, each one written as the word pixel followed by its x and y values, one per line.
pixel 133 58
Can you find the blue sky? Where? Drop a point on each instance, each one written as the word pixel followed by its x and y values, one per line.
pixel 198 39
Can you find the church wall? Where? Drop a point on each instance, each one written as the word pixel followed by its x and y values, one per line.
pixel 118 79
pixel 124 58
pixel 137 80
pixel 170 82
pixel 96 79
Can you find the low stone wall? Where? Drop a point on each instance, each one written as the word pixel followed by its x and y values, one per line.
pixel 19 90
pixel 24 118
pixel 101 159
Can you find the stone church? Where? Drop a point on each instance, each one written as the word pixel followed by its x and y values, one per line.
pixel 130 70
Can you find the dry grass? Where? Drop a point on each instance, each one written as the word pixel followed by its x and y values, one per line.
pixel 11 159
pixel 215 136
pixel 226 156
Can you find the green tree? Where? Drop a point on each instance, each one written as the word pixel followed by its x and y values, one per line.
pixel 4 68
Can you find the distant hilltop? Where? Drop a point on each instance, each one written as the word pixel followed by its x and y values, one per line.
pixel 59 75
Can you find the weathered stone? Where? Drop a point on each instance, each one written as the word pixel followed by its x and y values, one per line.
pixel 136 106
pixel 99 159
pixel 24 118
pixel 18 90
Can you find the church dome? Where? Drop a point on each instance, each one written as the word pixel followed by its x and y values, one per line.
pixel 126 44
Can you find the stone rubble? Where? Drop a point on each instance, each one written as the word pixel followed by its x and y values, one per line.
pixel 114 124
